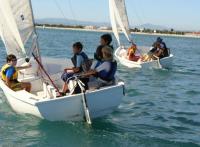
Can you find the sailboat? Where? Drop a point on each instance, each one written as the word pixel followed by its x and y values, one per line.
pixel 18 33
pixel 119 22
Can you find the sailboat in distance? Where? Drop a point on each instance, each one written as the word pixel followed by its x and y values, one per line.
pixel 17 27
pixel 119 22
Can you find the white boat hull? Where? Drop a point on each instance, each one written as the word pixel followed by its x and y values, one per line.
pixel 68 108
pixel 121 53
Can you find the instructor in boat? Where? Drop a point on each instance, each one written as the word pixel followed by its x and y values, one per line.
pixel 104 70
pixel 9 74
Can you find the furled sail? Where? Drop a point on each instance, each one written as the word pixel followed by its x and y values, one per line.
pixel 16 25
pixel 119 18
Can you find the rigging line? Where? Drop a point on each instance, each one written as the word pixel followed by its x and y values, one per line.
pixel 60 9
pixel 136 13
pixel 73 14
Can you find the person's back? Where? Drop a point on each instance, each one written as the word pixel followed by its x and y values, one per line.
pixel 79 59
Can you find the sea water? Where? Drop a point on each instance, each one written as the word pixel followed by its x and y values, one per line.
pixel 161 107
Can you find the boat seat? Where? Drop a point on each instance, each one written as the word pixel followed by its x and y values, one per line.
pixel 28 78
pixel 48 91
pixel 32 98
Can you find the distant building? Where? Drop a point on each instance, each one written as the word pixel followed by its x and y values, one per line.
pixel 103 28
pixel 141 29
pixel 193 34
pixel 90 27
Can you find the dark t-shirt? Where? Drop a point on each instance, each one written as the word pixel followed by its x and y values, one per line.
pixel 98 54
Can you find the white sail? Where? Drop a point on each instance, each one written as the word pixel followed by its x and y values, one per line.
pixel 118 15
pixel 113 21
pixel 16 25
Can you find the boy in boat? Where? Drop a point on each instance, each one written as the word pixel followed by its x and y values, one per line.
pixel 9 74
pixel 78 60
pixel 131 53
pixel 104 71
pixel 151 54
pixel 105 40
pixel 163 50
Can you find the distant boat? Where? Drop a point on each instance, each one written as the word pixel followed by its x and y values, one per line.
pixel 17 28
pixel 118 17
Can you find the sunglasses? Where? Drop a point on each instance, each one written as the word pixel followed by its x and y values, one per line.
pixel 14 60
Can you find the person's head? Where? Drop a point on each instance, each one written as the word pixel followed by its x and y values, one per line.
pixel 133 48
pixel 159 40
pixel 11 59
pixel 106 39
pixel 77 47
pixel 107 53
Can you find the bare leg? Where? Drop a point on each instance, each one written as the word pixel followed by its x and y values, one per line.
pixel 65 88
pixel 26 86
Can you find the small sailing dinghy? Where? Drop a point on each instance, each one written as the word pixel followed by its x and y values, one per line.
pixel 17 30
pixel 119 18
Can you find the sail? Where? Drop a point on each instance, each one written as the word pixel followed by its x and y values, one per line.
pixel 16 25
pixel 113 21
pixel 118 16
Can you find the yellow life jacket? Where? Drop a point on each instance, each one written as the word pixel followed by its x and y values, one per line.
pixel 3 72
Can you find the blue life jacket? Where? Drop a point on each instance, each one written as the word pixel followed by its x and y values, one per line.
pixel 74 61
pixel 110 75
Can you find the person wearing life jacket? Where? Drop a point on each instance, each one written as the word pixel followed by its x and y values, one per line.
pixel 160 49
pixel 104 71
pixel 131 53
pixel 78 59
pixel 105 39
pixel 9 74
pixel 164 51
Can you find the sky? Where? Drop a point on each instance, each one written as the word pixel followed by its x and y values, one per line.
pixel 176 14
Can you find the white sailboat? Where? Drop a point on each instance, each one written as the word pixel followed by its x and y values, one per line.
pixel 16 29
pixel 119 19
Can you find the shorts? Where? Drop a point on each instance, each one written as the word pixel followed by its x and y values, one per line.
pixel 66 76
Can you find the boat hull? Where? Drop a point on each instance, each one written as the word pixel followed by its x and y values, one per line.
pixel 69 108
pixel 121 53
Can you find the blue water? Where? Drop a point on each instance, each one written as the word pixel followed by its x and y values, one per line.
pixel 161 107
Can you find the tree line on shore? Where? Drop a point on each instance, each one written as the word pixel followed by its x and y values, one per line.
pixel 143 30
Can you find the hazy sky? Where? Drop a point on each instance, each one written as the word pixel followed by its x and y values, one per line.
pixel 178 14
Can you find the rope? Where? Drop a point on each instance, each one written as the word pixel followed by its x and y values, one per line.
pixel 47 75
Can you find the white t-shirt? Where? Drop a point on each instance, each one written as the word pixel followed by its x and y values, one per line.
pixel 104 66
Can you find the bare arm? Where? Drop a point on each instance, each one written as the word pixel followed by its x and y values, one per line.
pixel 89 73
pixel 75 69
pixel 8 83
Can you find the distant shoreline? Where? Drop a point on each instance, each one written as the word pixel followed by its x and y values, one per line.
pixel 109 31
